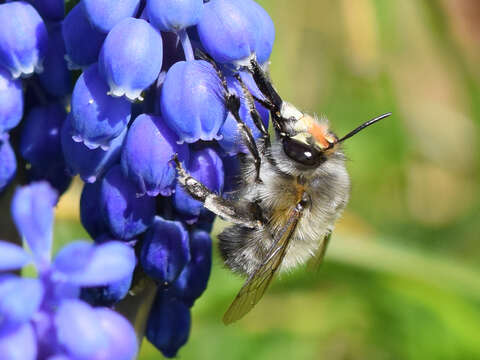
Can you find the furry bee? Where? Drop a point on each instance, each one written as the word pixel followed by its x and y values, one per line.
pixel 294 186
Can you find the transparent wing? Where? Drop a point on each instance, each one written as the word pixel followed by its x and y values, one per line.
pixel 315 263
pixel 256 285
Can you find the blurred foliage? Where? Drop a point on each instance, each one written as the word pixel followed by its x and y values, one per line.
pixel 402 275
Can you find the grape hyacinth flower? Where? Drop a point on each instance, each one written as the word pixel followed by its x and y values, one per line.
pixel 232 31
pixel 23 39
pixel 138 61
pixel 8 162
pixel 146 155
pixel 97 118
pixel 11 101
pixel 44 315
pixel 125 214
pixel 105 14
pixel 90 164
pixel 191 101
pixel 82 41
pixel 131 58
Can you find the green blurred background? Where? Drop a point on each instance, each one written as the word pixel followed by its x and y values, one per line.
pixel 402 275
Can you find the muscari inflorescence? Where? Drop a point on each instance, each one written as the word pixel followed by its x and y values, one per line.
pixel 139 97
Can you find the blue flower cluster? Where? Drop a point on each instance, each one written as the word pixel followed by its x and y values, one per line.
pixel 139 97
pixel 44 317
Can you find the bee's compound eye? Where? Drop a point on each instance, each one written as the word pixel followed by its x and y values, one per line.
pixel 302 153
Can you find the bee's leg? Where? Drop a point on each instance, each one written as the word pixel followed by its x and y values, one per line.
pixel 257 120
pixel 244 213
pixel 232 103
pixel 274 101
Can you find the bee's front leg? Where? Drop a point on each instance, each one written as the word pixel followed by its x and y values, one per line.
pixel 240 212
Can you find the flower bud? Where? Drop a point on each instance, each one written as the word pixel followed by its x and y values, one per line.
pixel 105 14
pixel 174 15
pixel 19 344
pixel 82 41
pixel 232 31
pixel 131 57
pixel 168 324
pixel 32 212
pixel 40 138
pixel 89 164
pixel 165 250
pixel 90 214
pixel 97 117
pixel 191 101
pixel 126 214
pixel 192 281
pixel 23 39
pixel 147 155
pixel 11 101
pixel 8 162
pixel 55 78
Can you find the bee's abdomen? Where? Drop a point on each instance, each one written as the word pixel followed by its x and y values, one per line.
pixel 241 249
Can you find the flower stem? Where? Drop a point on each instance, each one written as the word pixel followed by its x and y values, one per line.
pixel 186 45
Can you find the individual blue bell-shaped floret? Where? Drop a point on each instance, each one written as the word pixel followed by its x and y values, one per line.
pixel 8 162
pixel 12 256
pixel 105 14
pixel 97 118
pixel 174 15
pixel 147 155
pixel 126 214
pixel 89 164
pixel 109 335
pixel 19 344
pixel 232 31
pixel 107 295
pixel 165 250
pixel 168 325
pixel 131 57
pixel 90 214
pixel 82 41
pixel 39 199
pixel 205 166
pixel 40 138
pixel 23 39
pixel 193 280
pixel 83 263
pixel 122 344
pixel 231 141
pixel 41 147
pixel 191 101
pixel 20 298
pixel 55 78
pixel 50 10
pixel 11 101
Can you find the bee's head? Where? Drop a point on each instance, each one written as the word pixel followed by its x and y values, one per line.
pixel 305 139
pixel 308 140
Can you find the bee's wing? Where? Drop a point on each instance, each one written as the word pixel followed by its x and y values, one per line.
pixel 256 285
pixel 315 263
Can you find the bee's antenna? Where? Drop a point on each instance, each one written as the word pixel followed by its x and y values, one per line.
pixel 363 126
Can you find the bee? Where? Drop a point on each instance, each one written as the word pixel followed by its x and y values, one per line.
pixel 293 187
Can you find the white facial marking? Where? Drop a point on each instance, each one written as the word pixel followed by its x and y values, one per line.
pixel 288 111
